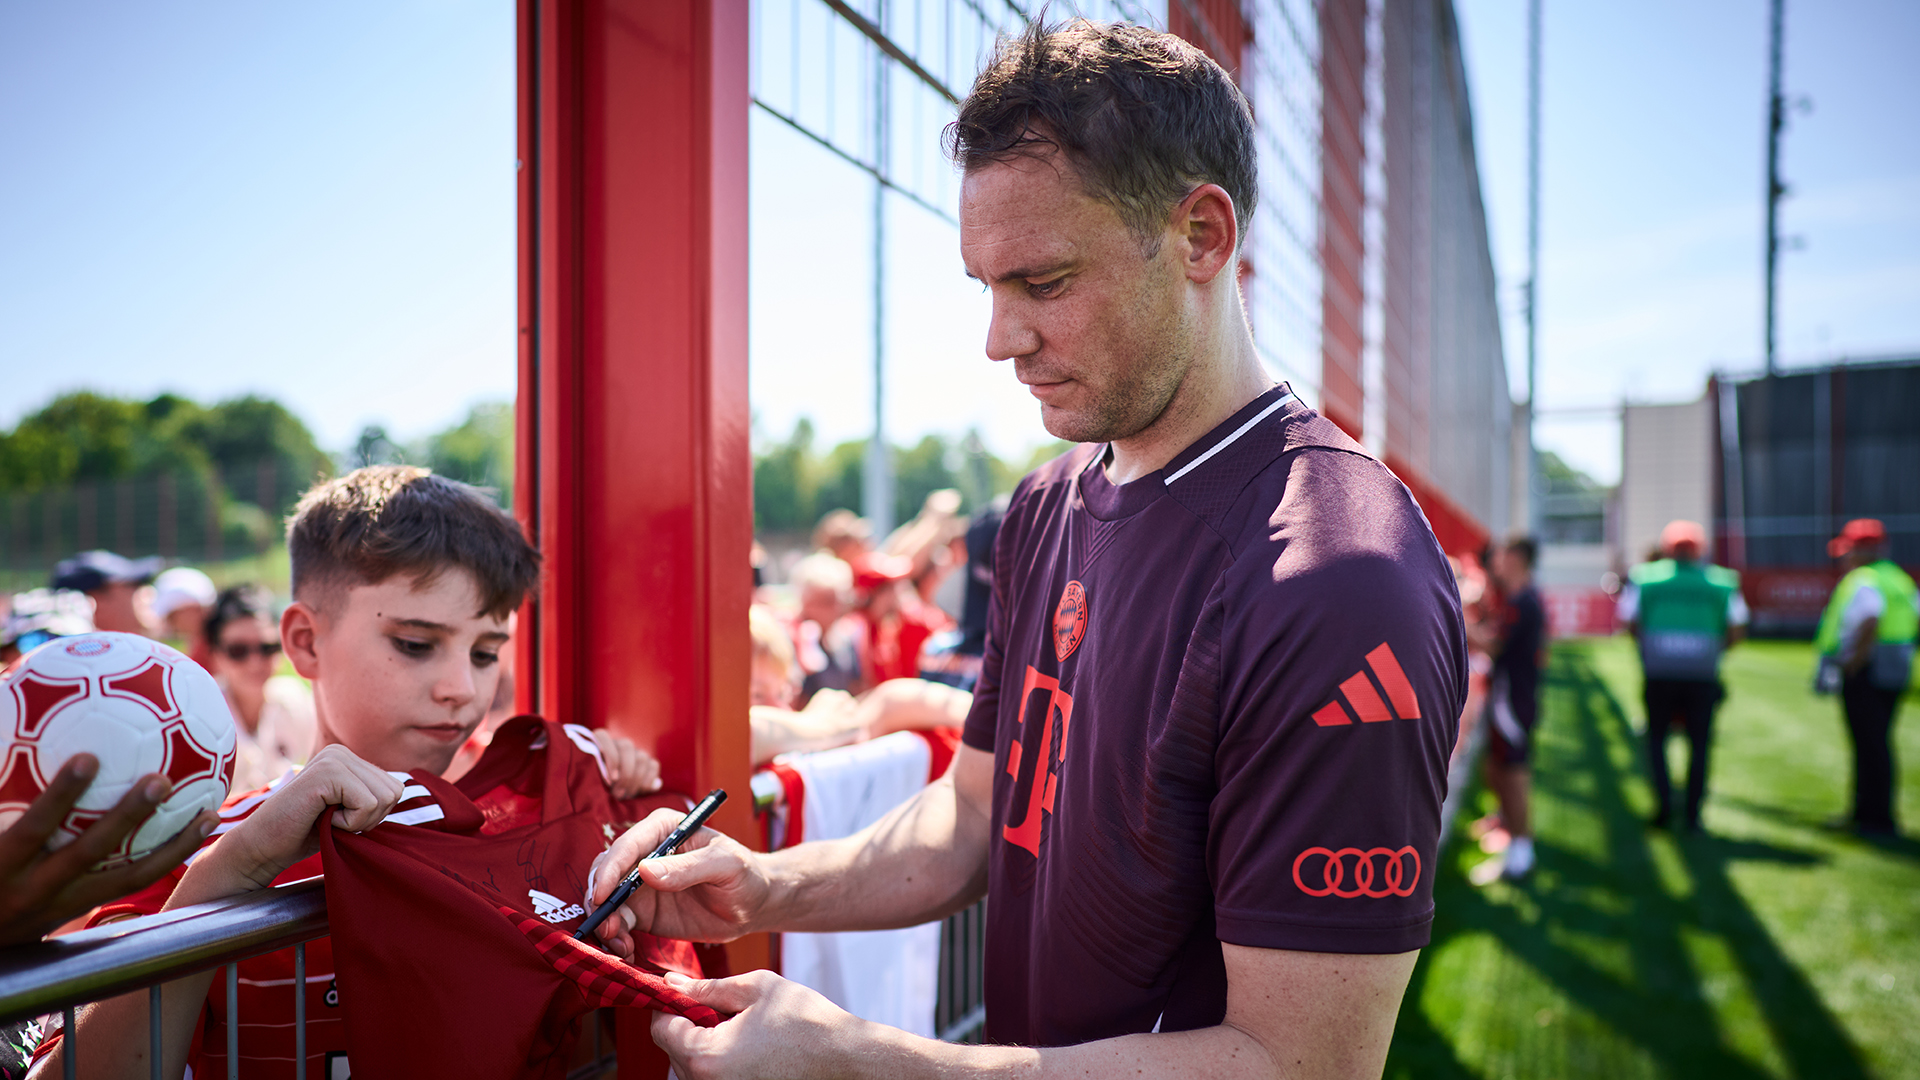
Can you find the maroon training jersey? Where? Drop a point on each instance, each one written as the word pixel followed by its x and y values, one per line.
pixel 1220 700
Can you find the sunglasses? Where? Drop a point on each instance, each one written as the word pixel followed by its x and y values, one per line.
pixel 240 653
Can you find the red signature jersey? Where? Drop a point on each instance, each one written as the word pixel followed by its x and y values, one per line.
pixel 452 937
pixel 1220 700
pixel 450 923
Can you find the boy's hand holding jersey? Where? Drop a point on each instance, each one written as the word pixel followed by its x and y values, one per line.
pixel 286 827
pixel 631 771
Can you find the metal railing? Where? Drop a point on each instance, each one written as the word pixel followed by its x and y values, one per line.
pixel 960 1011
pixel 61 974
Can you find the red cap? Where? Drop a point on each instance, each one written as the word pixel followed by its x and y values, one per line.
pixel 1681 535
pixel 872 569
pixel 1858 531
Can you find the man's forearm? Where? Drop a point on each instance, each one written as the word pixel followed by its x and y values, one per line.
pixel 1215 1053
pixel 925 860
pixel 1288 1014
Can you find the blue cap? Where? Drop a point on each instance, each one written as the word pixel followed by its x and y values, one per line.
pixel 91 570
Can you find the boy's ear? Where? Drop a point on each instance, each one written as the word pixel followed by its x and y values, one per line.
pixel 300 628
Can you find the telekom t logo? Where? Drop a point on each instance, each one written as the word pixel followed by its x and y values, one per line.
pixel 1040 794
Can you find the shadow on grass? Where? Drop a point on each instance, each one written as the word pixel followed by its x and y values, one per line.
pixel 1904 846
pixel 1661 1007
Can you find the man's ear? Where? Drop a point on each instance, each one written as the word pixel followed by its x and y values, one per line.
pixel 300 631
pixel 1208 231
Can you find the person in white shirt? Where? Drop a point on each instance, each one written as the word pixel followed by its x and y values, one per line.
pixel 273 716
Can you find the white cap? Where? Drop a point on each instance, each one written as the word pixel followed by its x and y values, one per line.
pixel 180 586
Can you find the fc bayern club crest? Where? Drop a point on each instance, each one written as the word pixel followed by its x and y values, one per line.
pixel 1069 621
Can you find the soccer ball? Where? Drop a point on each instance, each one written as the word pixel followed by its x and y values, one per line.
pixel 137 705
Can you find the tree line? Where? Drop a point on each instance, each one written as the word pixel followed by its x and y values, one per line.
pixel 252 457
pixel 795 483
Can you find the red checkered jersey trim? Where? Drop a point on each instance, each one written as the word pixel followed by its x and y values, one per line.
pixel 606 980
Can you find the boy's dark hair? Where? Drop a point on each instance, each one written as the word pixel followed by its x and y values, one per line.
pixel 1527 548
pixel 373 523
pixel 234 603
pixel 1144 117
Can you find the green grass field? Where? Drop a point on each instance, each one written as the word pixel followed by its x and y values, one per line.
pixel 1770 946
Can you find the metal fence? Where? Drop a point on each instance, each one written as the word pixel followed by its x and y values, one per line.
pixel 960 1013
pixel 141 954
pixel 202 516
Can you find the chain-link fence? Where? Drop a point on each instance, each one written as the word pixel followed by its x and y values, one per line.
pixel 210 516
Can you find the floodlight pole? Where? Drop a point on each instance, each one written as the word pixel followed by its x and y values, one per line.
pixel 876 494
pixel 1536 493
pixel 1776 119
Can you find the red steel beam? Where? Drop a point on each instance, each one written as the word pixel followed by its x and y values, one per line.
pixel 633 468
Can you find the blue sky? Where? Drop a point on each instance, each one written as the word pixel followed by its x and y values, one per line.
pixel 316 202
pixel 1652 193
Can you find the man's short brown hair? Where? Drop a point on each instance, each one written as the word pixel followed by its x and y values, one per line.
pixel 373 523
pixel 1143 117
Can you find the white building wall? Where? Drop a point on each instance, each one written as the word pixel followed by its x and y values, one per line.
pixel 1666 472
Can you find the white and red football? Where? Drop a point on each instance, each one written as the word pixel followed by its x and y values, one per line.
pixel 137 705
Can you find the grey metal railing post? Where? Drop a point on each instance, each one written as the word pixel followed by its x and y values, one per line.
pixel 233 1021
pixel 71 1044
pixel 300 1011
pixel 153 1031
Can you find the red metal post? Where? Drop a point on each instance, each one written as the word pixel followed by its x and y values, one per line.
pixel 633 467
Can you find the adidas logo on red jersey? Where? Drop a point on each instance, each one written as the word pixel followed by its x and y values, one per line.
pixel 1365 701
pixel 552 908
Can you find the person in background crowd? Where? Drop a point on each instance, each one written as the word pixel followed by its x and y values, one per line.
pixel 1684 613
pixel 849 537
pixel 118 587
pixel 1866 643
pixel 926 541
pixel 182 599
pixel 905 617
pixel 272 714
pixel 833 717
pixel 959 664
pixel 894 626
pixel 775 673
pixel 843 534
pixel 1479 606
pixel 37 617
pixel 1518 648
pixel 824 637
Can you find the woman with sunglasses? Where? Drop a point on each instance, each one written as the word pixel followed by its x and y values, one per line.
pixel 272 714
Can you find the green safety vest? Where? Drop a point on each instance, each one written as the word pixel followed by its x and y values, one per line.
pixel 1683 617
pixel 1892 664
